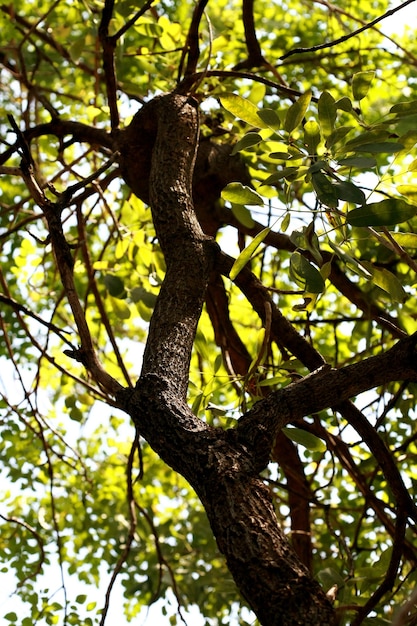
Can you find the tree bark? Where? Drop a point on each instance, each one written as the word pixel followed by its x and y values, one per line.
pixel 219 466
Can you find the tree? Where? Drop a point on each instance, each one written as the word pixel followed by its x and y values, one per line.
pixel 274 409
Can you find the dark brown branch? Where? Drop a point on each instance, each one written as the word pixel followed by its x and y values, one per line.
pixel 108 45
pixel 324 388
pixel 220 469
pixel 191 46
pixel 255 57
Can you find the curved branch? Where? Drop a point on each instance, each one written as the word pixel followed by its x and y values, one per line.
pixel 219 467
pixel 335 42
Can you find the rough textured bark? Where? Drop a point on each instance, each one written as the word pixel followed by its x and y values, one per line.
pixel 219 467
pixel 224 466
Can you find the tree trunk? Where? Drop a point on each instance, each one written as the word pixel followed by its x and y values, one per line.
pixel 217 463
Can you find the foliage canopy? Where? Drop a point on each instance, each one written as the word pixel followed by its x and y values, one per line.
pixel 305 176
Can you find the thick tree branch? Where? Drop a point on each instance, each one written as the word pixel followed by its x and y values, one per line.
pixel 325 387
pixel 219 468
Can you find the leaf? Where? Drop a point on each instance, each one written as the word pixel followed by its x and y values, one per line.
pixel 76 414
pixel 246 254
pixel 384 213
pixel 311 136
pixel 408 190
pixel 120 308
pixel 329 577
pixel 405 240
pixel 385 280
pixel 115 285
pixel 344 104
pixel 240 194
pixel 305 274
pixel 361 83
pixel 270 118
pixel 327 113
pixel 306 439
pixel 243 109
pixel 296 112
pixel 349 192
pixel 243 215
pixel 337 135
pixel 325 190
pixel 140 294
pixel 362 163
pixel 382 147
pixel 248 140
pixel 402 109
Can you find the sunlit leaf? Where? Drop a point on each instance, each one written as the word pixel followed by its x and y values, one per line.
pixel 243 215
pixel 240 194
pixel 247 141
pixel 246 254
pixel 404 108
pixel 361 83
pixel 405 240
pixel 243 109
pixel 120 308
pixel 296 112
pixel 344 104
pixel 384 279
pixel 384 213
pixel 327 113
pixel 312 136
pixel 306 439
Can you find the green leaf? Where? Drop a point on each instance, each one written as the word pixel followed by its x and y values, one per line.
pixel 337 135
pixel 270 118
pixel 305 274
pixel 405 240
pixel 248 140
pixel 11 617
pixel 240 194
pixel 243 215
pixel 329 577
pixel 296 112
pixel 311 136
pixel 140 294
pixel 362 163
pixel 386 281
pixel 384 213
pixel 325 190
pixel 114 284
pixel 402 109
pixel 120 308
pixel 246 254
pixel 349 192
pixel 410 191
pixel 361 83
pixel 243 109
pixel 382 147
pixel 306 439
pixel 344 104
pixel 81 598
pixel 327 113
pixel 76 414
